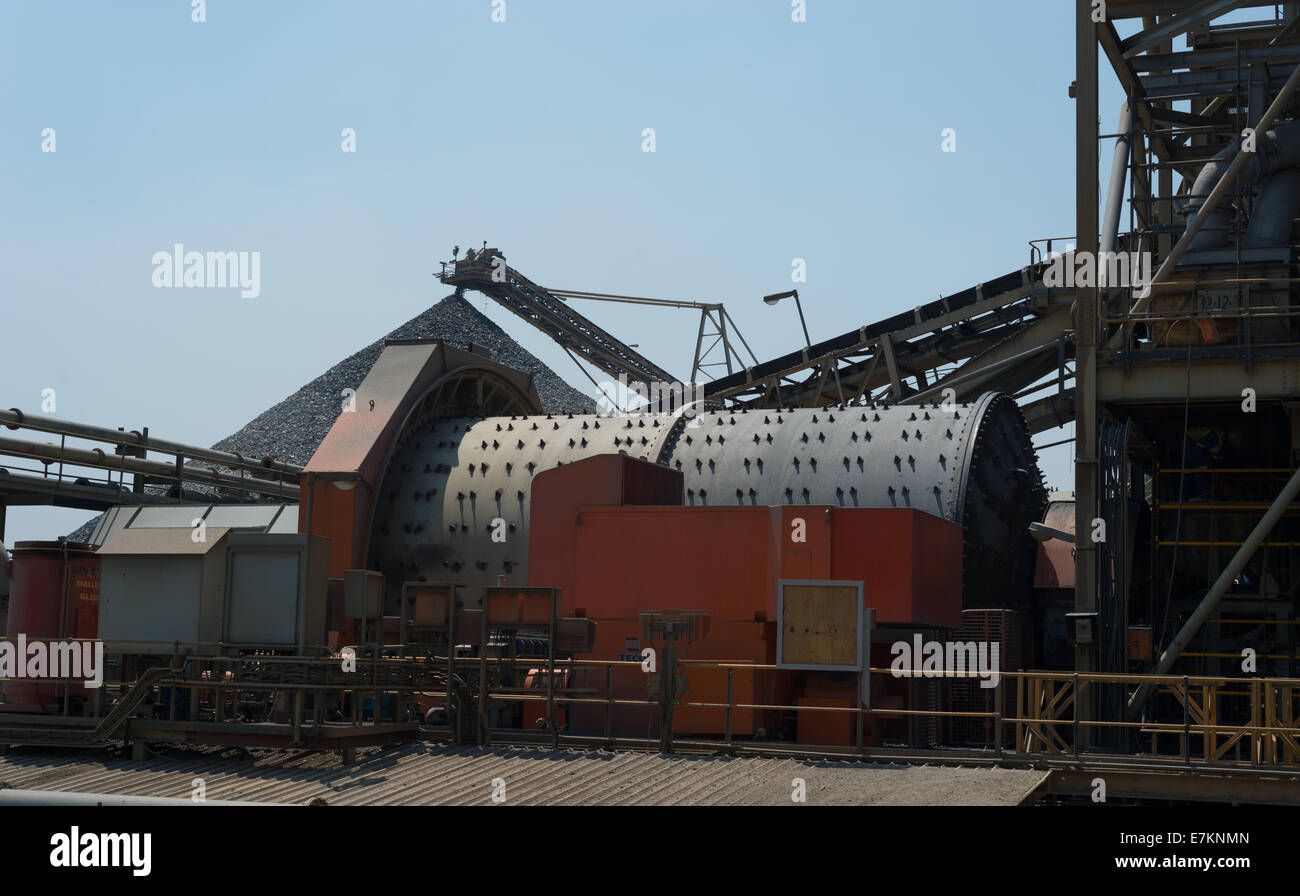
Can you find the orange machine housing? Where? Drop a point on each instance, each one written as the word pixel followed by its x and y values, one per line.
pixel 611 532
pixel 337 487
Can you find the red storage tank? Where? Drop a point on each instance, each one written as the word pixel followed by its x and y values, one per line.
pixel 54 595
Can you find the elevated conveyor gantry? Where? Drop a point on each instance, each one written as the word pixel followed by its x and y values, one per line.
pixel 487 272
pixel 1005 334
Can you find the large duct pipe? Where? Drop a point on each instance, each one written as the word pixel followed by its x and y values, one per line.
pixel 1274 213
pixel 1276 150
pixel 1214 234
pixel 1198 220
pixel 1118 179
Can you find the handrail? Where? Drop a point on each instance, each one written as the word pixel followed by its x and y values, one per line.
pixel 13 418
pixel 1042 727
pixel 1027 714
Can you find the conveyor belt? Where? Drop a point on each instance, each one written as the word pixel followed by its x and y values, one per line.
pixel 552 316
pixel 1009 329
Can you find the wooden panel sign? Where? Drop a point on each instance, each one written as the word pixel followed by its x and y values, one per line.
pixel 820 625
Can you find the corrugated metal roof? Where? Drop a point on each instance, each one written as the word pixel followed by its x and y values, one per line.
pixel 276 517
pixel 140 542
pixel 424 774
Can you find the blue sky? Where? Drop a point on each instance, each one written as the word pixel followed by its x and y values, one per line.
pixel 775 140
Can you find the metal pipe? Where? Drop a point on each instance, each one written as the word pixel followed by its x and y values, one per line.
pixel 1207 209
pixel 802 322
pixel 100 459
pixel 1272 218
pixel 1275 151
pixel 14 419
pixel 1215 236
pixel 1220 587
pixel 1118 180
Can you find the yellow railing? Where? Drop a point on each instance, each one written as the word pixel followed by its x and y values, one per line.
pixel 1194 720
pixel 1050 713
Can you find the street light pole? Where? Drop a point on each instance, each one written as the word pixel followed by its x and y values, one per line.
pixel 834 366
pixel 776 297
pixel 802 322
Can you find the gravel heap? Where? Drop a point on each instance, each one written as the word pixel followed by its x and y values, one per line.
pixel 294 428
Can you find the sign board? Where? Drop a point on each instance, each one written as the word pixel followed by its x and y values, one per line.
pixel 1221 299
pixel 821 625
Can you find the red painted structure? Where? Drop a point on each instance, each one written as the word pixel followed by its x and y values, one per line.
pixel 611 532
pixel 406 384
pixel 54 595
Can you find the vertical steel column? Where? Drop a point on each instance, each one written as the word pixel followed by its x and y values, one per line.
pixel 453 727
pixel 1160 184
pixel 609 703
pixel 296 721
pixel 730 698
pixel 1085 337
pixel 65 576
pixel 550 670
pixel 726 343
pixel 304 565
pixel 483 737
pixel 699 343
pixel 668 689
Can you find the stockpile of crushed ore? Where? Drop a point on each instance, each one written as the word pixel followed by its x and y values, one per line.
pixel 293 429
